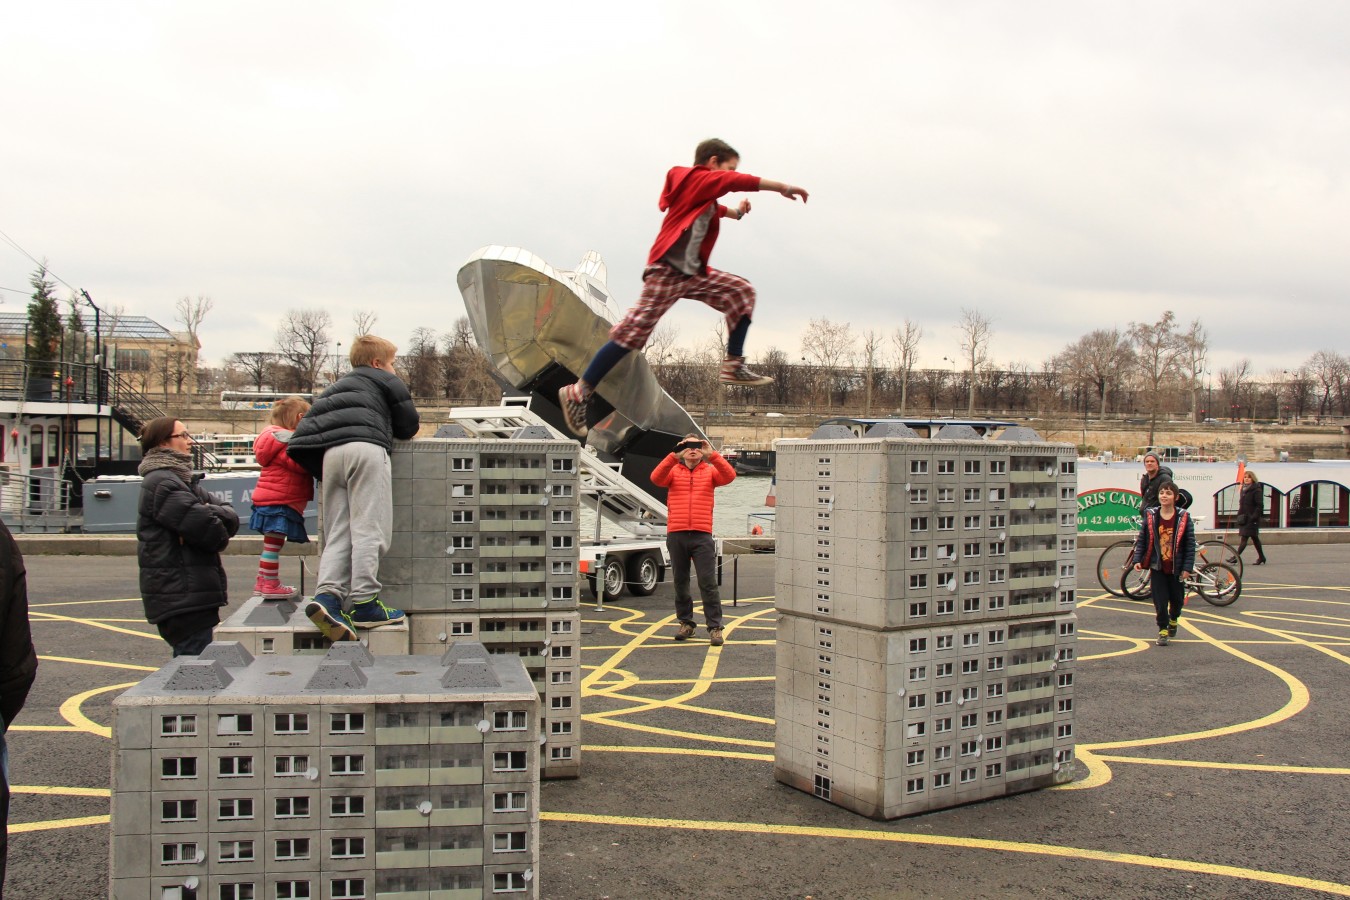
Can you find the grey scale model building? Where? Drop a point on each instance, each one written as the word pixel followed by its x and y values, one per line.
pixel 339 776
pixel 926 636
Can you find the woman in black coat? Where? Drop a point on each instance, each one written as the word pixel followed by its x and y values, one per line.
pixel 1251 510
pixel 180 532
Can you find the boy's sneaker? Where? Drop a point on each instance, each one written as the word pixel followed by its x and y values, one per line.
pixel 272 589
pixel 1162 638
pixel 325 611
pixel 715 637
pixel 1172 628
pixel 372 614
pixel 573 409
pixel 685 633
pixel 735 371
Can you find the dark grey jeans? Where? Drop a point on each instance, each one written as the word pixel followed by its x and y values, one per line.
pixel 698 547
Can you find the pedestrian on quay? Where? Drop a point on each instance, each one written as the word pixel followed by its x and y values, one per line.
pixel 1251 510
pixel 1155 473
pixel 180 533
pixel 284 490
pixel 18 665
pixel 677 266
pixel 1166 544
pixel 690 474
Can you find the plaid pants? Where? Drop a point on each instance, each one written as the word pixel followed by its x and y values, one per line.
pixel 729 294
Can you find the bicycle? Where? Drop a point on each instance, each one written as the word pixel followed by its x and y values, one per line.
pixel 1217 582
pixel 1117 559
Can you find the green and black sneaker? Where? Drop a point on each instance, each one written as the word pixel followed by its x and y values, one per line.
pixel 1172 628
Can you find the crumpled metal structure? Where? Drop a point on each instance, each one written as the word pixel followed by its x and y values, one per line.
pixel 540 326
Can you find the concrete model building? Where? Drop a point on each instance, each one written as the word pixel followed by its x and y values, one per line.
pixel 334 777
pixel 926 636
pixel 280 628
pixel 486 548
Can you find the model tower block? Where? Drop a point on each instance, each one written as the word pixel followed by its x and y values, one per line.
pixel 926 632
pixel 486 548
pixel 337 776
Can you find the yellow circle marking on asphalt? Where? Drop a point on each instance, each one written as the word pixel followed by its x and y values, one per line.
pixel 70 710
pixel 934 840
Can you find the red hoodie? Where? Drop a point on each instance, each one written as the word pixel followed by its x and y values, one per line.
pixel 687 192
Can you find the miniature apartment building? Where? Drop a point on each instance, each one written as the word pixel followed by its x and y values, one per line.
pixel 334 777
pixel 485 548
pixel 281 628
pixel 926 635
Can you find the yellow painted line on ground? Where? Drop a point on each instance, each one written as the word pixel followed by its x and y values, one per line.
pixel 59 790
pixel 70 710
pixel 51 824
pixel 725 679
pixel 1137 645
pixel 53 617
pixel 678 751
pixel 1298 700
pixel 43 728
pixel 1238 767
pixel 933 840
pixel 32 606
pixel 98 662
pixel 599 719
pixel 687 707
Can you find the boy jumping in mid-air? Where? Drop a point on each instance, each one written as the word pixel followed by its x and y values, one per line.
pixel 678 267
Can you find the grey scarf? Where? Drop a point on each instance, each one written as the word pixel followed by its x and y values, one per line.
pixel 165 458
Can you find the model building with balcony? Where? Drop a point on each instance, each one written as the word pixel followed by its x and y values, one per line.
pixel 344 776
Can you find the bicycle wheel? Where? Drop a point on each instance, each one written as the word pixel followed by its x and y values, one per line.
pixel 1114 560
pixel 1218 583
pixel 1137 584
pixel 1215 550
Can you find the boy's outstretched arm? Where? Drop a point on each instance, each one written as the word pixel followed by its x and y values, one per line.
pixel 792 192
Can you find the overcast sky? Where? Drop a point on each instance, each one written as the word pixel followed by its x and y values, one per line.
pixel 1056 166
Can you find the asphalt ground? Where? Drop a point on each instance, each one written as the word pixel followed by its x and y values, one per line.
pixel 1214 767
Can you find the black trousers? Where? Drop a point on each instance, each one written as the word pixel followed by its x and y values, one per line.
pixel 1168 594
pixel 698 547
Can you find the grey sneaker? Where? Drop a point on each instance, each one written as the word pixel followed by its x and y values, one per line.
pixel 573 410
pixel 735 371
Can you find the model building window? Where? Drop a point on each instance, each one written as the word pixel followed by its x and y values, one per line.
pixel 349 888
pixel 177 726
pixel 290 723
pixel 348 805
pixel 238 891
pixel 234 723
pixel 174 854
pixel 563 465
pixel 998 467
pixel 293 890
pixel 560 727
pixel 946 495
pixel 178 767
pixel 508 882
pixel 946 523
pixel 461 516
pixel 946 467
pixel 562 517
pixel 348 764
pixel 235 808
pixel 292 807
pixel 461 464
pixel 236 767
pixel 461 595
pixel 236 851
pixel 561 542
pixel 510 720
pixel 509 761
pixel 918 467
pixel 292 848
pixel 291 765
pixel 178 811
pixel 347 847
pixel 347 723
pixel 509 801
pixel 508 842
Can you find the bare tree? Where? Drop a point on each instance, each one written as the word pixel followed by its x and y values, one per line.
pixel 1158 350
pixel 1233 383
pixel 256 366
pixel 302 342
pixel 1331 371
pixel 871 350
pixel 1098 361
pixel 906 339
pixel 421 363
pixel 1195 348
pixel 828 346
pixel 363 320
pixel 976 331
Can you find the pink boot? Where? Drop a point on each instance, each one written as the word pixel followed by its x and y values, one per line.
pixel 272 589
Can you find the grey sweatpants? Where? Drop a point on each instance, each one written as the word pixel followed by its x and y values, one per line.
pixel 358 521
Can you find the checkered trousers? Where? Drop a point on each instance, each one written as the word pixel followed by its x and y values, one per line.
pixel 729 294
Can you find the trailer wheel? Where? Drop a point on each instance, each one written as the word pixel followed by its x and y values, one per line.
pixel 644 573
pixel 613 577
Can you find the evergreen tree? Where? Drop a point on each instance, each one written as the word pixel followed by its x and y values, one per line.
pixel 44 319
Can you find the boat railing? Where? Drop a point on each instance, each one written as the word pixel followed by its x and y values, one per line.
pixel 35 502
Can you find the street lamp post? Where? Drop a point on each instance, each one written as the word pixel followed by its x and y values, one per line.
pixel 948 359
pixel 337 362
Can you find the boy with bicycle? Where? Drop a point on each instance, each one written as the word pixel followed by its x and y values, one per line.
pixel 1166 544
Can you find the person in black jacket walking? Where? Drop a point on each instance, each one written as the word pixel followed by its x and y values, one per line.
pixel 1251 509
pixel 18 665
pixel 1155 473
pixel 180 532
pixel 344 441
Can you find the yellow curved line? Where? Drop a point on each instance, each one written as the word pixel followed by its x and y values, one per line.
pixel 98 662
pixel 50 824
pixel 70 710
pixel 33 606
pixel 1236 767
pixel 595 719
pixel 678 751
pixel 933 840
pixel 1137 645
pixel 53 617
pixel 1099 773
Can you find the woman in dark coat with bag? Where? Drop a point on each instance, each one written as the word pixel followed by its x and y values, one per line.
pixel 180 532
pixel 1251 510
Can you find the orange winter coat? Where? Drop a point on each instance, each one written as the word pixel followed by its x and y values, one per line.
pixel 690 491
